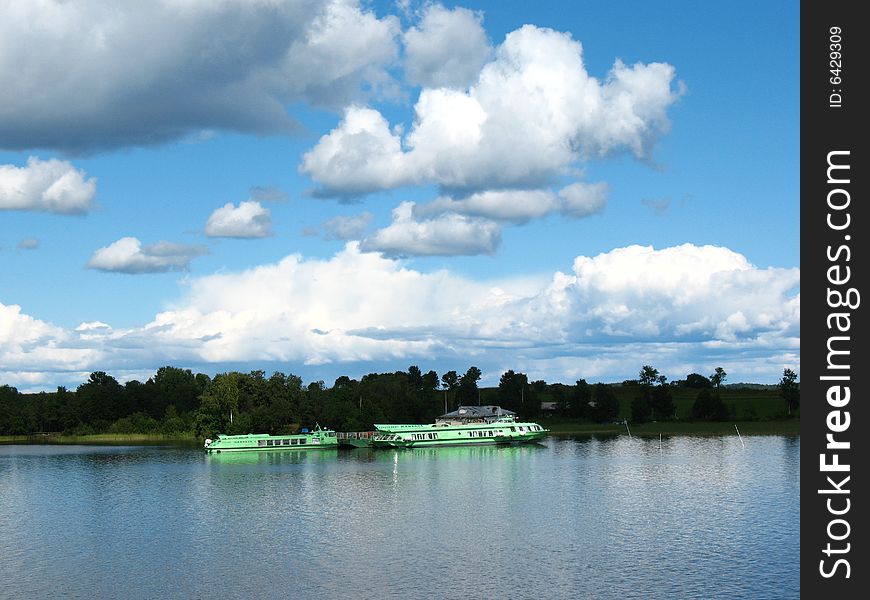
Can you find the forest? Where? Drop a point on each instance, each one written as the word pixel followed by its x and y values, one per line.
pixel 176 402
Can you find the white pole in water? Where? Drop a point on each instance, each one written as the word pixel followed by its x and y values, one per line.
pixel 740 436
pixel 626 426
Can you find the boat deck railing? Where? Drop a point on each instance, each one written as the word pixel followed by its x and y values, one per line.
pixel 354 435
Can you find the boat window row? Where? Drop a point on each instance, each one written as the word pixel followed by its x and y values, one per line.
pixel 424 436
pixel 485 432
pixel 530 428
pixel 284 442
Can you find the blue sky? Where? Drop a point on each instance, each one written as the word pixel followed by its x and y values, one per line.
pixel 565 189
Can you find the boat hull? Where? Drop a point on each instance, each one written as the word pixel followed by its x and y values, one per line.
pixel 427 436
pixel 318 440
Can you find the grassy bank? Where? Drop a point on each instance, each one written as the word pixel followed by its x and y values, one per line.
pixel 557 427
pixel 116 439
pixel 779 427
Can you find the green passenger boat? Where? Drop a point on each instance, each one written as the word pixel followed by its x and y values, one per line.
pixel 317 439
pixel 468 425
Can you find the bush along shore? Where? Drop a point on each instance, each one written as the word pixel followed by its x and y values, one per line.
pixel 176 405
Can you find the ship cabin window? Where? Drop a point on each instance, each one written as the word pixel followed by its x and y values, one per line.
pixel 513 428
pixel 261 443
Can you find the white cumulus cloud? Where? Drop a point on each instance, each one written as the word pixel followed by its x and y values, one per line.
pixel 128 255
pixel 344 227
pixel 448 234
pixel 83 76
pixel 678 308
pixel 247 220
pixel 577 200
pixel 532 113
pixel 446 49
pixel 33 351
pixel 365 306
pixel 46 186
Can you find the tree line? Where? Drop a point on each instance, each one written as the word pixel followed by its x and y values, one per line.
pixel 177 402
pixel 654 400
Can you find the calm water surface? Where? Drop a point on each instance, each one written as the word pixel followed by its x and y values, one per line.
pixel 570 518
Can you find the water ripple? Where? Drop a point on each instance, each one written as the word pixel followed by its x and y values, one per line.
pixel 571 518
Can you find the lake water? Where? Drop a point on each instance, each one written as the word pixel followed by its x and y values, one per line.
pixel 570 518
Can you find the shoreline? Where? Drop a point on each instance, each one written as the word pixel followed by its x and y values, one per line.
pixel 788 427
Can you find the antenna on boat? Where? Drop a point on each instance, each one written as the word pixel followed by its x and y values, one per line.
pixel 626 426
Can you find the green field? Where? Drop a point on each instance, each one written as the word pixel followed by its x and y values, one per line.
pixel 784 427
pixel 755 412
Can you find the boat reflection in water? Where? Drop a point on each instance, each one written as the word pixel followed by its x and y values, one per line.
pixel 272 458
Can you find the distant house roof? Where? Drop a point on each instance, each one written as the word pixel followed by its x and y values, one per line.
pixel 478 412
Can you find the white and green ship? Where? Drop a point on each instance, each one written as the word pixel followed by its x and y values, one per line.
pixel 316 439
pixel 468 425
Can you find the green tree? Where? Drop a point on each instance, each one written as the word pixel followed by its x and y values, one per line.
pixel 641 409
pixel 606 404
pixel 450 380
pixel 468 393
pixel 415 377
pixel 511 390
pixel 578 401
pixel 653 402
pixel 662 402
pixel 697 381
pixel 430 381
pixel 790 390
pixel 648 376
pixel 708 406
pixel 219 406
pixel 718 377
pixel 100 400
pixel 176 387
pixel 560 396
pixel 449 383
